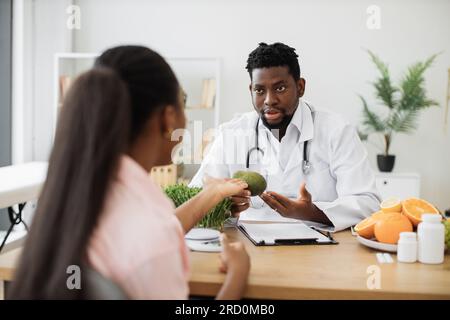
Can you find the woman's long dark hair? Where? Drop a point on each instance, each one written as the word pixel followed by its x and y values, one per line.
pixel 104 111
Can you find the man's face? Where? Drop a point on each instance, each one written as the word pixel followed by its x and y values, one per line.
pixel 275 93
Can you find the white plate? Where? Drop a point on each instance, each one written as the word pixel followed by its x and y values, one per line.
pixel 202 234
pixel 204 246
pixel 377 245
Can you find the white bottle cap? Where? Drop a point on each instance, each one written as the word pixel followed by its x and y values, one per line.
pixel 408 235
pixel 430 217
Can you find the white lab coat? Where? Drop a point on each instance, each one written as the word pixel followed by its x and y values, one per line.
pixel 340 181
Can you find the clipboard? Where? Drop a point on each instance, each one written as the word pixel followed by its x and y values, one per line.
pixel 284 234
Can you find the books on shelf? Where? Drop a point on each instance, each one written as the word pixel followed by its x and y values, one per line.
pixel 208 93
pixel 203 147
pixel 64 85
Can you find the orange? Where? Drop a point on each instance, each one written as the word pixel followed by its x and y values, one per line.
pixel 391 205
pixel 388 229
pixel 413 208
pixel 366 227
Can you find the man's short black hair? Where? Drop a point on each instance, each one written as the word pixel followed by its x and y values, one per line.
pixel 274 55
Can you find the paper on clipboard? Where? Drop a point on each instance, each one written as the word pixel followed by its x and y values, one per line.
pixel 267 214
pixel 281 233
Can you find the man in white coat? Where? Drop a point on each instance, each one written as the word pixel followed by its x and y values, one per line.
pixel 314 162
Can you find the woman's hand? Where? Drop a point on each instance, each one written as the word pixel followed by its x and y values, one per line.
pixel 236 189
pixel 223 188
pixel 214 191
pixel 234 257
pixel 235 262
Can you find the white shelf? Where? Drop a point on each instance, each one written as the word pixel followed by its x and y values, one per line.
pixel 189 70
pixel 76 55
pixel 69 64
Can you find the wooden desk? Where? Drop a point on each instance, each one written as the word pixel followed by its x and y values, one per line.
pixel 322 272
pixel 8 261
pixel 308 272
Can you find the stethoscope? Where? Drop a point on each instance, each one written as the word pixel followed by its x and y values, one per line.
pixel 306 165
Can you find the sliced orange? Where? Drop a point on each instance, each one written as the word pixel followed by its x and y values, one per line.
pixel 366 227
pixel 391 205
pixel 388 229
pixel 413 208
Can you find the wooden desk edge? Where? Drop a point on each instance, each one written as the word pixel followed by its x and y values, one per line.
pixel 207 289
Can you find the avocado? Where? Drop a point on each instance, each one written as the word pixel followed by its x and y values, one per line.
pixel 256 182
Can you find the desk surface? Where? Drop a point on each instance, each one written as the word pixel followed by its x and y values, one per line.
pixel 322 272
pixel 8 261
pixel 309 272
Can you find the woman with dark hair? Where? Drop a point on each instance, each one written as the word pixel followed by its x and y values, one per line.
pixel 99 208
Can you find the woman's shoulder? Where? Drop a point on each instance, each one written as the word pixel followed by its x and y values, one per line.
pixel 137 223
pixel 141 214
pixel 134 186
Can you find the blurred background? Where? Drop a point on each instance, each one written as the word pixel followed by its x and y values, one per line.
pixel 46 43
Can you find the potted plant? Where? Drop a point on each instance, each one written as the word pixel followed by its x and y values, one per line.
pixel 402 104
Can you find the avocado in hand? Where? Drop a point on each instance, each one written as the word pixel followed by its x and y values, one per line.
pixel 256 182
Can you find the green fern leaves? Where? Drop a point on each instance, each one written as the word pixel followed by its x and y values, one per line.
pixel 404 102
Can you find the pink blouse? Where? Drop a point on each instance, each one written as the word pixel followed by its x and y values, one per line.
pixel 139 242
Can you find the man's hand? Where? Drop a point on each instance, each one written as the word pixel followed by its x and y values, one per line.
pixel 241 202
pixel 300 208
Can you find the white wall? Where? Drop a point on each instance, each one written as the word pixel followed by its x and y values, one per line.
pixel 329 37
pixel 39 30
